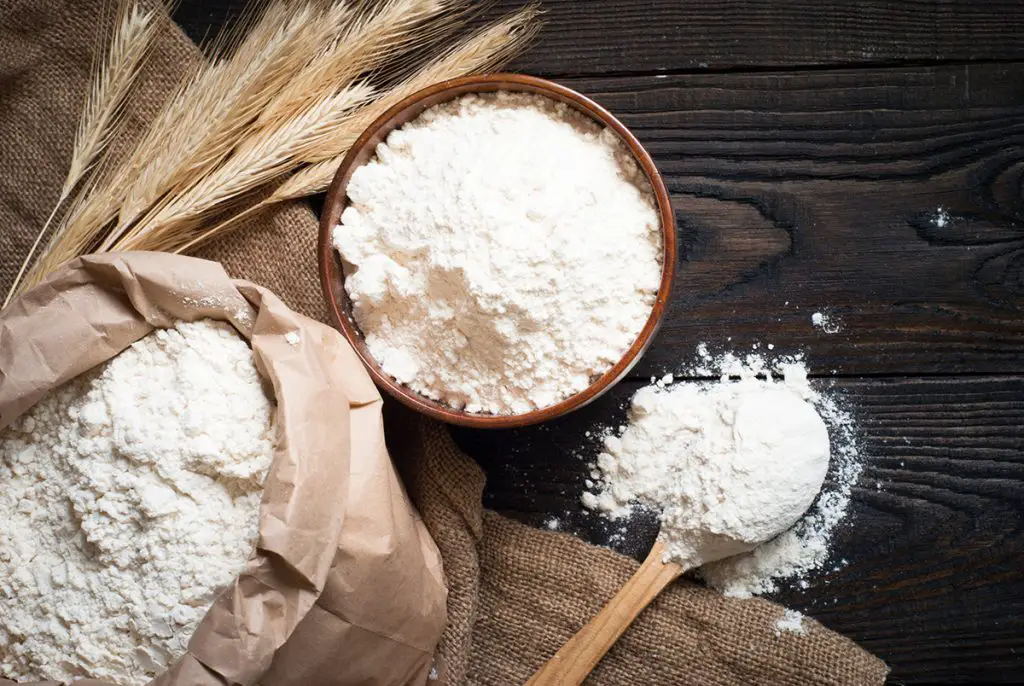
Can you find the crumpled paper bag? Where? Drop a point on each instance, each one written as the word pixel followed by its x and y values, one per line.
pixel 345 585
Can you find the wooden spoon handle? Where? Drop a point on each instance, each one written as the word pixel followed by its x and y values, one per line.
pixel 581 653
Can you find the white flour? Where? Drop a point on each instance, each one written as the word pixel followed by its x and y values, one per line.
pixel 791 622
pixel 128 498
pixel 501 251
pixel 827 322
pixel 804 547
pixel 726 465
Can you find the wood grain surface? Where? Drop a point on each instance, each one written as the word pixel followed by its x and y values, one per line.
pixel 888 199
pixel 933 543
pixel 635 36
pixel 586 37
pixel 860 159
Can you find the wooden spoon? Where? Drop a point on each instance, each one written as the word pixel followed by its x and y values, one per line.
pixel 581 653
pixel 757 516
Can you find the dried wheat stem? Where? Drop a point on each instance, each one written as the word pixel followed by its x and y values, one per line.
pixel 14 289
pixel 258 161
pixel 225 226
pixel 104 105
pixel 490 47
pixel 67 242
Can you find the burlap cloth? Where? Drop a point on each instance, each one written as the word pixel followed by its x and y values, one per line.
pixel 515 593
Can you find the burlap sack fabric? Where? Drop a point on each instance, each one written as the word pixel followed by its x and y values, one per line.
pixel 304 602
pixel 515 594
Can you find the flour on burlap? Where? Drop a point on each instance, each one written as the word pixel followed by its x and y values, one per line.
pixel 130 498
pixel 501 251
pixel 687 424
pixel 791 622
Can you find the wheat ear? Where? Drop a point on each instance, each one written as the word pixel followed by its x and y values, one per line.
pixel 104 106
pixel 212 113
pixel 488 49
pixel 105 103
pixel 262 159
pixel 370 39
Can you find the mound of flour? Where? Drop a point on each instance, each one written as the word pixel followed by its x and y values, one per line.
pixel 669 457
pixel 501 250
pixel 726 465
pixel 128 499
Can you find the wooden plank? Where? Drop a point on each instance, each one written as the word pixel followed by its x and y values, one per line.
pixel 888 199
pixel 203 20
pixel 609 36
pixel 615 36
pixel 933 584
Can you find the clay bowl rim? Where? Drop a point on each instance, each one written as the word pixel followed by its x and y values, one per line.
pixel 332 278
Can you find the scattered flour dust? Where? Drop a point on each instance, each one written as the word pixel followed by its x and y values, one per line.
pixel 501 250
pixel 129 498
pixel 727 465
pixel 791 622
pixel 829 323
pixel 643 465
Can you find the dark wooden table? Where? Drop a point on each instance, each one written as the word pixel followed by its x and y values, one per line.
pixel 810 146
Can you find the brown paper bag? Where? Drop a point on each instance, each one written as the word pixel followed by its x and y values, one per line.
pixel 345 585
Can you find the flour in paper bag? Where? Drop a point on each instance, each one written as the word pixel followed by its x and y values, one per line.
pixel 129 499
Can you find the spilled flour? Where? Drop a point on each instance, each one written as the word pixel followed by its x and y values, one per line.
pixel 791 622
pixel 829 323
pixel 650 464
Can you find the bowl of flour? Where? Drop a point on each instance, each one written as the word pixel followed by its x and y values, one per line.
pixel 499 250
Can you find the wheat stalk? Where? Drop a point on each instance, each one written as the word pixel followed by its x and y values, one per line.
pixel 370 39
pixel 487 49
pixel 105 104
pixel 104 107
pixel 270 120
pixel 211 115
pixel 261 159
pixel 212 109
pixel 69 240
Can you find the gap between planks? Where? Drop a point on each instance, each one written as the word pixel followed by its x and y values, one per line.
pixel 743 69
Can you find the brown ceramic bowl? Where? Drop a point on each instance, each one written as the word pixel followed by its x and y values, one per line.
pixel 332 277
